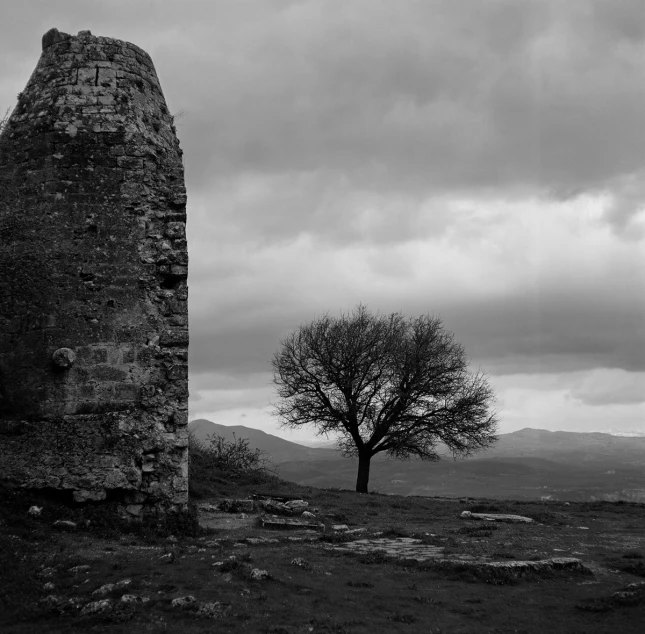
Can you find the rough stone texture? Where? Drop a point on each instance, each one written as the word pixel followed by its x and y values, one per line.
pixel 497 517
pixel 93 270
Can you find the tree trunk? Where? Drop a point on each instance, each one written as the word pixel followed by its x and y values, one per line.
pixel 363 472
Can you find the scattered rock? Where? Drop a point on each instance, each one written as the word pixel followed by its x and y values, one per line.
pixel 352 531
pixel 583 528
pixel 76 569
pixel 133 598
pixel 236 506
pixel 297 506
pixel 35 510
pixel 496 517
pixel 213 610
pixel 260 540
pixel 172 539
pixel 49 586
pixel 340 528
pixel 96 607
pixel 104 589
pixel 52 602
pixel 65 525
pixel 289 524
pixel 168 558
pixel 124 583
pixel 47 572
pixel 184 602
pixel 301 563
pixel 308 515
pixel 259 575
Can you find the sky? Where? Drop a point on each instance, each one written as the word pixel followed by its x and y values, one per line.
pixel 478 160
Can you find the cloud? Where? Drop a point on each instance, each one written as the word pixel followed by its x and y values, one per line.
pixel 527 287
pixel 479 160
pixel 610 387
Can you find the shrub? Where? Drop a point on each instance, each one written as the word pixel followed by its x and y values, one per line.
pixel 219 464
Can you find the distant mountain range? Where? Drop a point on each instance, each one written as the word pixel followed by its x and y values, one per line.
pixel 526 464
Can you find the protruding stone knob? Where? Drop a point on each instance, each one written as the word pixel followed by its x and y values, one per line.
pixel 64 357
pixel 52 36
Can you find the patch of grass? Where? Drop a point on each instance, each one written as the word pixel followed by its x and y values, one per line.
pixel 396 531
pixel 635 568
pixel 20 589
pixel 336 538
pixel 360 584
pixel 375 557
pixel 397 617
pixel 478 530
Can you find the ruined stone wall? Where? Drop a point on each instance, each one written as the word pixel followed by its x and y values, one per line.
pixel 93 290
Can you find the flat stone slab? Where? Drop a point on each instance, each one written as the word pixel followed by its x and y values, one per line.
pixel 520 567
pixel 287 523
pixel 399 547
pixel 496 517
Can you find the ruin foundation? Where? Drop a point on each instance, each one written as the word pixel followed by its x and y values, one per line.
pixel 93 281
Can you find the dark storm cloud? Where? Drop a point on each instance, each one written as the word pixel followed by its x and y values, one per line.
pixel 542 95
pixel 365 124
pixel 554 332
pixel 545 97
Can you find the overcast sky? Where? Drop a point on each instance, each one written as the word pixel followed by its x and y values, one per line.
pixel 481 160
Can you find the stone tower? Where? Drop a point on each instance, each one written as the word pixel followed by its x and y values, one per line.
pixel 93 290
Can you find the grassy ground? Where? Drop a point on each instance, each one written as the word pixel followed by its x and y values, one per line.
pixel 326 590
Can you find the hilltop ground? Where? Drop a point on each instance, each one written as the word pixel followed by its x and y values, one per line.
pixel 50 577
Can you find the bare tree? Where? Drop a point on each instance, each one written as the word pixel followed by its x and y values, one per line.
pixel 385 384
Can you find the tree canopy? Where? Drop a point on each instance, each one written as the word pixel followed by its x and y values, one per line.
pixel 383 383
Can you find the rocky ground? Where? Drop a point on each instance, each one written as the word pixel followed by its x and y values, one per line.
pixel 357 563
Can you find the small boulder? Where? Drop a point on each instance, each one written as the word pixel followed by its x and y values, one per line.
pixel 308 515
pixel 168 558
pixel 296 506
pixel 65 525
pixel 96 607
pixel 133 598
pixel 301 563
pixel 183 603
pixel 212 610
pixel 259 575
pixel 104 589
pixel 35 511
pixel 76 569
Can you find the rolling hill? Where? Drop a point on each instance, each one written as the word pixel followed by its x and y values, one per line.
pixel 526 464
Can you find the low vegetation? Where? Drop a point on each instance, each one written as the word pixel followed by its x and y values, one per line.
pixel 219 467
pixel 180 577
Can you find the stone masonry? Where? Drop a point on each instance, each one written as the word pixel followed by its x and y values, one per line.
pixel 93 281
